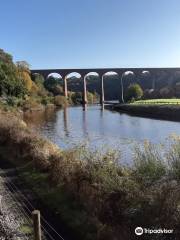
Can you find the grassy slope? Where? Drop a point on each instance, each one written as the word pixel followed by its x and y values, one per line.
pixel 158 101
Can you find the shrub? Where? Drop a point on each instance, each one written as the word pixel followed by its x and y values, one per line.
pixel 75 97
pixel 148 163
pixel 47 100
pixel 60 101
pixel 31 103
pixel 38 79
pixel 173 157
pixel 134 91
pixel 22 145
pixel 13 101
pixel 92 97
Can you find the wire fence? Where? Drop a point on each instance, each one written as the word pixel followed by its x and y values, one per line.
pixel 25 209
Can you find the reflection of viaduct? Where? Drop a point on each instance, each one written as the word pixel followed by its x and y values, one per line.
pixel 101 72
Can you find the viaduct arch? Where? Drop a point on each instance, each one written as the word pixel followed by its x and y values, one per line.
pixel 101 72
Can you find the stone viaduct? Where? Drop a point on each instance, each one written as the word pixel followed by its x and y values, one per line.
pixel 101 72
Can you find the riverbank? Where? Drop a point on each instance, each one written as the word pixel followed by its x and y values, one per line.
pixel 32 155
pixel 93 194
pixel 164 112
pixel 24 149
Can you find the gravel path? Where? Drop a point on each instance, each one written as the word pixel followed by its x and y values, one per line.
pixel 15 223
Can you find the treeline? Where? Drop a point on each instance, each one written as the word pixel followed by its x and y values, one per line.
pixel 19 88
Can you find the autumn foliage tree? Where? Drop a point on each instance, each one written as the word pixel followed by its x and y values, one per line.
pixel 10 83
pixel 24 74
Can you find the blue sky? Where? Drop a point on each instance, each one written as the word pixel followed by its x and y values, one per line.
pixel 92 33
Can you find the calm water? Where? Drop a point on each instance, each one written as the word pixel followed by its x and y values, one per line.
pixel 101 129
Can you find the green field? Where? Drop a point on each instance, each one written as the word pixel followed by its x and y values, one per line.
pixel 173 101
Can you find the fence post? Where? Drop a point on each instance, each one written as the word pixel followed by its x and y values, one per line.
pixel 1 211
pixel 36 224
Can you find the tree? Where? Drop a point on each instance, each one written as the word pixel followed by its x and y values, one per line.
pixel 134 91
pixel 75 97
pixel 23 66
pixel 52 84
pixel 167 92
pixel 26 79
pixel 10 83
pixel 38 79
pixel 177 89
pixel 24 74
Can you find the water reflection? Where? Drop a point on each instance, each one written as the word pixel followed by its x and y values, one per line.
pixel 101 112
pixel 85 107
pixel 40 118
pixel 100 127
pixel 65 117
pixel 84 124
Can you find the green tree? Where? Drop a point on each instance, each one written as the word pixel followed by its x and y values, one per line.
pixel 134 91
pixel 76 97
pixel 52 84
pixel 92 97
pixel 10 83
pixel 24 75
pixel 38 79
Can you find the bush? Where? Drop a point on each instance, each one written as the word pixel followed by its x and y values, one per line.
pixel 38 79
pixel 75 97
pixel 148 163
pixel 173 157
pixel 22 145
pixel 47 100
pixel 92 97
pixel 60 101
pixel 31 103
pixel 120 198
pixel 134 91
pixel 13 101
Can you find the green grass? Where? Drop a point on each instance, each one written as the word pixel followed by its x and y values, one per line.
pixel 26 229
pixel 174 101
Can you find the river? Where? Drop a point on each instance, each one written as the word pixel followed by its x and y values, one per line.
pixel 101 129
